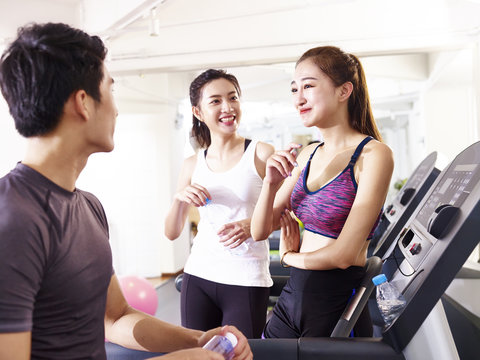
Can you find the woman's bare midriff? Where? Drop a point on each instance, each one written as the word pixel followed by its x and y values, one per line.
pixel 312 242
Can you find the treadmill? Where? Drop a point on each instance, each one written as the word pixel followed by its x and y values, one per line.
pixel 435 242
pixel 401 208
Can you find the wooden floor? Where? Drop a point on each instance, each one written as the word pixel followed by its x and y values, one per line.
pixel 157 281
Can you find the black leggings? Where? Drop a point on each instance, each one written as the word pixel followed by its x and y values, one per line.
pixel 206 304
pixel 312 302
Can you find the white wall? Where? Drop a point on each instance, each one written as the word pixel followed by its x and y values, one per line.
pixel 136 182
pixel 15 14
pixel 449 108
pixel 449 104
pixel 134 185
pixel 12 145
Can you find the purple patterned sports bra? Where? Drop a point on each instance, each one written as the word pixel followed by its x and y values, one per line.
pixel 325 210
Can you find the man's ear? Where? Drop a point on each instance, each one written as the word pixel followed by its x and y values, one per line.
pixel 196 113
pixel 346 90
pixel 81 102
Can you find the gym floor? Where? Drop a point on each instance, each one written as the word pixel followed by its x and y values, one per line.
pixel 168 300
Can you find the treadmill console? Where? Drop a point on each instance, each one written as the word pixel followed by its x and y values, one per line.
pixel 397 213
pixel 440 210
pixel 436 241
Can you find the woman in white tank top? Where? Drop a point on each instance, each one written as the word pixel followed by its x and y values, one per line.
pixel 227 278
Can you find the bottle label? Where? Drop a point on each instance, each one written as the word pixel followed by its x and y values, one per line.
pixel 221 345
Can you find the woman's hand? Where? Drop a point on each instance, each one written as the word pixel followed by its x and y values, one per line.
pixel 280 164
pixel 194 194
pixel 289 234
pixel 235 233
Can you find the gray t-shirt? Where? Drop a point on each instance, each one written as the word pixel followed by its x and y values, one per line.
pixel 55 266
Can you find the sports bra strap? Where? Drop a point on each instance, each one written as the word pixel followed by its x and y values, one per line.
pixel 247 142
pixel 314 151
pixel 358 150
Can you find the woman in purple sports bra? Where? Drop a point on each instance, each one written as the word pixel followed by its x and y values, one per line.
pixel 336 188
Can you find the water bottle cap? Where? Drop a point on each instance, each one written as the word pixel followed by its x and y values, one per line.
pixel 379 279
pixel 232 338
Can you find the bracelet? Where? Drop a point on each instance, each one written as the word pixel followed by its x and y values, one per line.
pixel 283 256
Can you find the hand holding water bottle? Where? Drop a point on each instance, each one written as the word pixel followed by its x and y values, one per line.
pixel 389 300
pixel 223 345
pixel 234 234
pixel 230 343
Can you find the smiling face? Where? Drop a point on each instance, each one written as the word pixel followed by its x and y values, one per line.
pixel 315 96
pixel 219 106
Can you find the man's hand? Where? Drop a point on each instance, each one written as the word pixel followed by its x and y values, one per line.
pixel 242 350
pixel 191 354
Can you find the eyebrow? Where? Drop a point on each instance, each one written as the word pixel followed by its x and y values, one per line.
pixel 230 93
pixel 305 78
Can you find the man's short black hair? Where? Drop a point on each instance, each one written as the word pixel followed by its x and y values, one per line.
pixel 43 67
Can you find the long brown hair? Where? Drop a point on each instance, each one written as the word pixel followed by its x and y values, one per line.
pixel 342 67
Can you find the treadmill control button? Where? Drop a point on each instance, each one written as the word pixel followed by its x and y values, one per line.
pixel 415 248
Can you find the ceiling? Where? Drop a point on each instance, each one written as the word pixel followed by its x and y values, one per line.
pixel 209 33
pixel 260 39
pixel 192 34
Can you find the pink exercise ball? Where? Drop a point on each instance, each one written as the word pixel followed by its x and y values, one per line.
pixel 139 293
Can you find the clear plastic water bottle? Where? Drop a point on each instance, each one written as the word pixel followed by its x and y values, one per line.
pixel 223 345
pixel 240 249
pixel 389 300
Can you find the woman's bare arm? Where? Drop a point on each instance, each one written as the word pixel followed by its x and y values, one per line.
pixel 187 194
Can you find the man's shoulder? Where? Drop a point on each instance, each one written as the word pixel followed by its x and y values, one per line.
pixel 14 195
pixel 89 197
pixel 94 204
pixel 20 217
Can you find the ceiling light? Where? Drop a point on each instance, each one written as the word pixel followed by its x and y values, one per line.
pixel 154 23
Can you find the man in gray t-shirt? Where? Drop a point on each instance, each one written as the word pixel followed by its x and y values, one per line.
pixel 54 248
pixel 59 296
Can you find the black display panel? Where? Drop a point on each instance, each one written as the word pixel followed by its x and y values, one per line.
pixel 452 189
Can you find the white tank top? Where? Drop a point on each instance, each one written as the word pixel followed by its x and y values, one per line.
pixel 234 194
